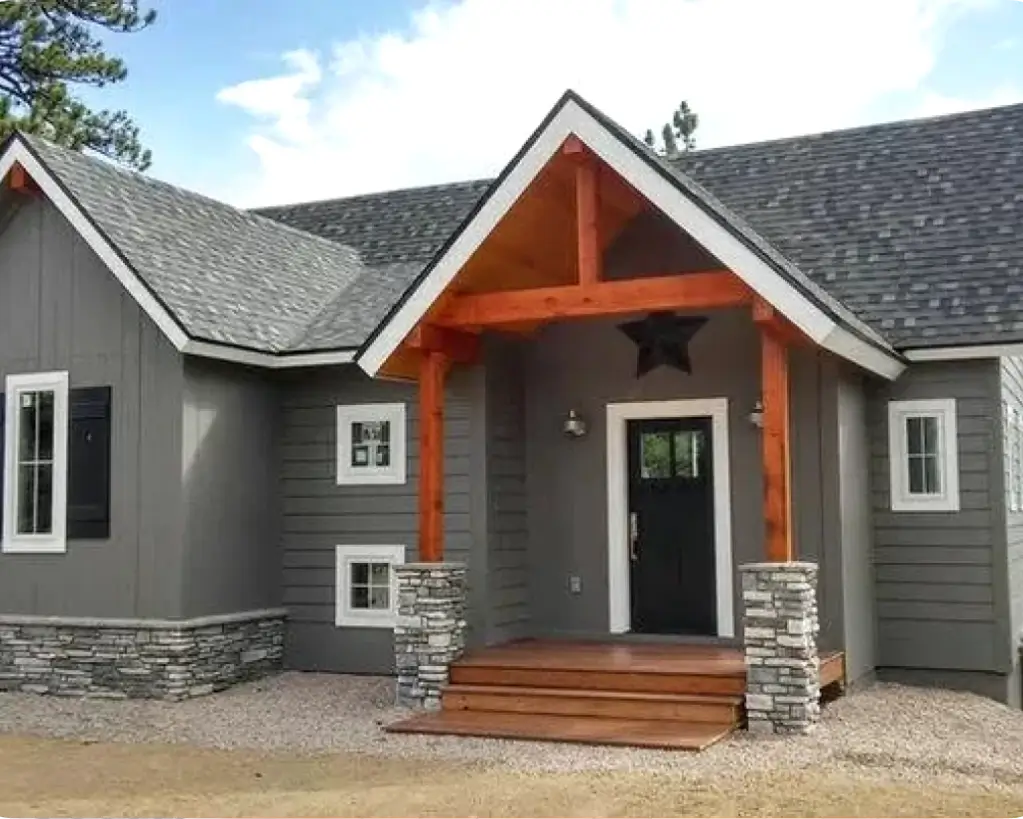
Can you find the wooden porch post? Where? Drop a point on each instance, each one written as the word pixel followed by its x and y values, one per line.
pixel 432 370
pixel 777 484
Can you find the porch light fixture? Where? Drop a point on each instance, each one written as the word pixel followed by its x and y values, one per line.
pixel 756 416
pixel 574 426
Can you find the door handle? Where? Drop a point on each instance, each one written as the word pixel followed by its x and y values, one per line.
pixel 633 535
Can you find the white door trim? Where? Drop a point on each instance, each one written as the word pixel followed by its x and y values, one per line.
pixel 619 607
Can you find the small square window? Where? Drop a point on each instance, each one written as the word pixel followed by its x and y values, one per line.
pixel 371 444
pixel 923 455
pixel 366 591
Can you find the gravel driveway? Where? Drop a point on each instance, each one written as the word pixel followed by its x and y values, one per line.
pixel 913 734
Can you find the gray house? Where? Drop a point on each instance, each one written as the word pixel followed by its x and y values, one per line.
pixel 567 404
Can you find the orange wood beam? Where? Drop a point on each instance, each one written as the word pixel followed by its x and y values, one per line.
pixel 777 469
pixel 458 346
pixel 19 180
pixel 688 291
pixel 768 318
pixel 432 371
pixel 587 210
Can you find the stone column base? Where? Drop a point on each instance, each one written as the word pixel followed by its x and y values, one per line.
pixel 429 634
pixel 780 625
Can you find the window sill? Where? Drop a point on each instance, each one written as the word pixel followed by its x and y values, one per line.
pixel 924 504
pixel 34 547
pixel 360 620
pixel 370 480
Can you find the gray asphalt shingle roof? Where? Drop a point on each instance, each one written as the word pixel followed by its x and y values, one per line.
pixel 909 227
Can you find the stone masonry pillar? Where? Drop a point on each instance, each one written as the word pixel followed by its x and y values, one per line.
pixel 779 603
pixel 429 634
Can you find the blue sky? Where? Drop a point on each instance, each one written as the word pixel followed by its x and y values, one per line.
pixel 259 101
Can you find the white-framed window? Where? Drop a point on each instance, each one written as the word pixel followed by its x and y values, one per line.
pixel 923 455
pixel 1012 446
pixel 366 593
pixel 35 462
pixel 371 444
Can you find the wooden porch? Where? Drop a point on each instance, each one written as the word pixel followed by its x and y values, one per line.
pixel 663 695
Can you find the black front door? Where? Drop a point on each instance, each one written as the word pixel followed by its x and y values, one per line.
pixel 671 526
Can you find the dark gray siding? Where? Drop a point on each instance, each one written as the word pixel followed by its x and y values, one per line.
pixel 231 489
pixel 585 366
pixel 937 588
pixel 61 309
pixel 859 620
pixel 507 543
pixel 319 515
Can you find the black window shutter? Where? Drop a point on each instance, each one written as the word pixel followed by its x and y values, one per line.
pixel 88 487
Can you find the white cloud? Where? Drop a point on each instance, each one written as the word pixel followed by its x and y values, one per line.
pixel 932 104
pixel 454 95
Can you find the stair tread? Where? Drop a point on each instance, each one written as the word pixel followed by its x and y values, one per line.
pixel 678 735
pixel 593 693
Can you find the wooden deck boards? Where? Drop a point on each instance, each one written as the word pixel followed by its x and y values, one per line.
pixel 664 695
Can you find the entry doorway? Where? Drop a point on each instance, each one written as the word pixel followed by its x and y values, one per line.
pixel 669 518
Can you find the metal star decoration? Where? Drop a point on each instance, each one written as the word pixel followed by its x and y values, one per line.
pixel 662 338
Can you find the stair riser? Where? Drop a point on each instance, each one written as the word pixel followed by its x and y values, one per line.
pixel 717 713
pixel 599 680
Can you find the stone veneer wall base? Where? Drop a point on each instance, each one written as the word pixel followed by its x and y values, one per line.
pixel 429 634
pixel 780 626
pixel 155 659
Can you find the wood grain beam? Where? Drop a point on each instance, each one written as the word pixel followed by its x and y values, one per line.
pixel 776 455
pixel 432 372
pixel 18 180
pixel 689 291
pixel 766 317
pixel 587 211
pixel 459 346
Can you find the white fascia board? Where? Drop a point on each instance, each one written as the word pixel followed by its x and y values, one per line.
pixel 18 152
pixel 254 358
pixel 688 215
pixel 964 353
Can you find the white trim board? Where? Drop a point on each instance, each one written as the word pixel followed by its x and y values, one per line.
pixel 687 214
pixel 964 353
pixel 18 152
pixel 618 567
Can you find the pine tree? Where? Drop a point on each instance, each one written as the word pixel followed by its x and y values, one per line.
pixel 677 135
pixel 49 46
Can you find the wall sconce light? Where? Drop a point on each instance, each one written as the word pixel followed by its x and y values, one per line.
pixel 574 425
pixel 756 416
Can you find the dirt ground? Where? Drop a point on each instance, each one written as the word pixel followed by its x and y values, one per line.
pixel 48 777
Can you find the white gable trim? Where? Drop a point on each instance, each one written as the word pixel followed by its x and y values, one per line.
pixel 254 358
pixel 688 215
pixel 18 152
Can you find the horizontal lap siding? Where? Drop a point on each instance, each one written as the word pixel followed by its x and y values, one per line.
pixel 935 573
pixel 319 515
pixel 507 600
pixel 1012 393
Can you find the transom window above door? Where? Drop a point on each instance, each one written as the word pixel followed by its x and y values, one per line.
pixel 371 444
pixel 672 454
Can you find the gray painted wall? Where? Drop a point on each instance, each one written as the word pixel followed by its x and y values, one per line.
pixel 507 540
pixel 1011 376
pixel 585 366
pixel 61 309
pixel 859 619
pixel 318 514
pixel 231 489
pixel 938 592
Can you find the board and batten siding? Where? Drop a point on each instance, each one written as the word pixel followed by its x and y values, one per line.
pixel 938 575
pixel 506 603
pixel 318 514
pixel 230 488
pixel 62 309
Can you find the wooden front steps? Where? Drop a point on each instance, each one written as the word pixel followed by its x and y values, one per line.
pixel 648 695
